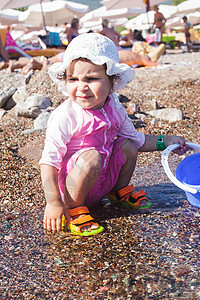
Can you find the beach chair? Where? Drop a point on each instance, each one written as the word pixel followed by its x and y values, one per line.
pixel 194 42
pixel 15 51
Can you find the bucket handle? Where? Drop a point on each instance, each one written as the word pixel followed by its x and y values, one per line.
pixel 164 161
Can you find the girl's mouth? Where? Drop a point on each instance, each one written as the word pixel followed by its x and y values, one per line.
pixel 84 97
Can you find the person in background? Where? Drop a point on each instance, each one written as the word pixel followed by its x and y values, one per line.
pixel 65 28
pixel 143 52
pixel 129 37
pixel 137 36
pixel 111 33
pixel 36 63
pixel 187 26
pixel 159 23
pixel 134 59
pixel 72 31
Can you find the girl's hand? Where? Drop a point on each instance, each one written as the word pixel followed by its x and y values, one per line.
pixel 53 216
pixel 183 148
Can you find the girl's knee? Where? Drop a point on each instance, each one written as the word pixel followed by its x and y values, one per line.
pixel 129 149
pixel 90 161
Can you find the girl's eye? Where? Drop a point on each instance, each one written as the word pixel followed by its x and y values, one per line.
pixel 88 79
pixel 92 78
pixel 71 79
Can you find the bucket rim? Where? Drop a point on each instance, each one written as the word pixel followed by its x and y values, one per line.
pixel 164 161
pixel 192 185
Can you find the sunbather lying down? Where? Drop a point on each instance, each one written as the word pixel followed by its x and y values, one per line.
pixel 27 64
pixel 36 63
pixel 132 58
pixel 125 56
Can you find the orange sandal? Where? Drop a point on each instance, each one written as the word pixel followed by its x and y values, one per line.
pixel 129 197
pixel 81 218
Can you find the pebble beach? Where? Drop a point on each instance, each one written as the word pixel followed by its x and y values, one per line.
pixel 152 254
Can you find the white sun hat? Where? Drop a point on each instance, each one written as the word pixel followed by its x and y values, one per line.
pixel 99 50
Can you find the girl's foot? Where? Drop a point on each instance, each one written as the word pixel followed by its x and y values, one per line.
pixel 130 198
pixel 83 223
pixel 32 65
pixel 3 65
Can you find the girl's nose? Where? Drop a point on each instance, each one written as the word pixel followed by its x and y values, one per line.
pixel 82 86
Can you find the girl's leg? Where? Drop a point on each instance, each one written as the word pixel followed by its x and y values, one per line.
pixel 130 152
pixel 131 58
pixel 33 64
pixel 81 179
pixel 14 64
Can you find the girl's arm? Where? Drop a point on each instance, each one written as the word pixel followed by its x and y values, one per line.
pixel 55 208
pixel 151 141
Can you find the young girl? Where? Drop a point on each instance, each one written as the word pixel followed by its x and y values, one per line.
pixel 91 145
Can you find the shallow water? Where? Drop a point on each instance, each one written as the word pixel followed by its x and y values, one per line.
pixel 141 255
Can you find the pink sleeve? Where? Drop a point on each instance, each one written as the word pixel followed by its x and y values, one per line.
pixel 58 135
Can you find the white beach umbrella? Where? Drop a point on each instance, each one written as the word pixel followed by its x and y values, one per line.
pixel 174 21
pixel 167 10
pixel 143 20
pixel 55 12
pixel 188 6
pixel 194 18
pixel 103 13
pixel 115 4
pixel 97 25
pixel 9 16
pixel 4 4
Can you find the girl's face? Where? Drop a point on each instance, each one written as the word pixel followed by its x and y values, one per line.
pixel 88 84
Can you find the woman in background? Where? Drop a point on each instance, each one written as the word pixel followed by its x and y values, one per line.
pixel 73 30
pixel 159 23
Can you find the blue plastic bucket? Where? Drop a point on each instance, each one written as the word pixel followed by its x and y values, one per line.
pixel 188 172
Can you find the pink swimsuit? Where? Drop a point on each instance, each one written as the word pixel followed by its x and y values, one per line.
pixel 73 130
